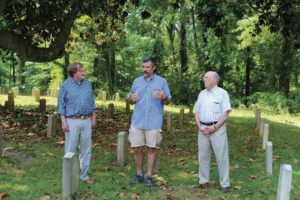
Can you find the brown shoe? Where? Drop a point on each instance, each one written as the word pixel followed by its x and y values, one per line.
pixel 201 186
pixel 89 181
pixel 226 189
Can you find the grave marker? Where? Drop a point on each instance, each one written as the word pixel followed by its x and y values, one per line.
pixel 51 129
pixel 11 96
pixel 265 136
pixel 191 113
pixel 181 117
pixel 261 128
pixel 269 158
pixel 1 139
pixel 103 96
pixel 42 105
pixel 121 148
pixel 37 95
pixel 70 175
pixel 285 182
pixel 258 120
pixel 254 108
pixel 117 97
pixel 169 122
pixel 127 107
pixel 111 110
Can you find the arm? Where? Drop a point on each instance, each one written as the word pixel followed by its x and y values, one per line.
pixel 197 119
pixel 61 107
pixel 64 125
pixel 94 121
pixel 221 121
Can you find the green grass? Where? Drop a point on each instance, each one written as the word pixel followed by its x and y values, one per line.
pixel 176 167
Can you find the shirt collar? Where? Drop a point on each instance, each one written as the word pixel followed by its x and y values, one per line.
pixel 152 78
pixel 74 81
pixel 212 89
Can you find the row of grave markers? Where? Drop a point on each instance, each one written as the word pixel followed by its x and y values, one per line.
pixel 285 176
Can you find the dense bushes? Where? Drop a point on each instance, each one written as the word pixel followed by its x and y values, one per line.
pixel 275 102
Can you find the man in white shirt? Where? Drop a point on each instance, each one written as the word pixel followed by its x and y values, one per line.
pixel 211 111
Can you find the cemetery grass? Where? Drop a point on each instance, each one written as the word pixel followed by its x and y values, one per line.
pixel 32 164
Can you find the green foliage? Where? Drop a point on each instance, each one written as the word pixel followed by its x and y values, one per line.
pixel 274 102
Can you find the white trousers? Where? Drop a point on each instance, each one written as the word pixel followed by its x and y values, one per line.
pixel 80 135
pixel 219 144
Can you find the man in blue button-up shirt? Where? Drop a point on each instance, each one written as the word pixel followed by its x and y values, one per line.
pixel 149 93
pixel 76 104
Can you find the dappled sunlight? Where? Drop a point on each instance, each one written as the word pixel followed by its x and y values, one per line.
pixel 14 187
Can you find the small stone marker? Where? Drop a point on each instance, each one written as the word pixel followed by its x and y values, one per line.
pixel 265 136
pixel 51 129
pixel 285 182
pixel 169 122
pixel 181 117
pixel 70 174
pixel 122 147
pixel 127 107
pixel 42 105
pixel 117 97
pixel 11 96
pixel 254 108
pixel 269 158
pixel 1 139
pixel 37 95
pixel 191 113
pixel 261 128
pixel 103 96
pixel 111 110
pixel 258 120
pixel 33 91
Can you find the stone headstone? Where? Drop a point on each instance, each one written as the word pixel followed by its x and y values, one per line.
pixel 37 95
pixel 33 91
pixel 169 122
pixel 11 96
pixel 1 139
pixel 42 105
pixel 103 96
pixel 285 182
pixel 71 170
pixel 258 120
pixel 121 148
pixel 254 108
pixel 111 110
pixel 269 158
pixel 51 128
pixel 9 105
pixel 181 117
pixel 261 128
pixel 117 97
pixel 191 113
pixel 265 136
pixel 127 107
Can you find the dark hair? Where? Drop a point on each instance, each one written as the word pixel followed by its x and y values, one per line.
pixel 73 67
pixel 152 60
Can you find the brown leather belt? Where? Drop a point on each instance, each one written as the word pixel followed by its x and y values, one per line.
pixel 80 117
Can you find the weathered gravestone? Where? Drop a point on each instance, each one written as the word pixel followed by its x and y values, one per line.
pixel 111 110
pixel 70 175
pixel 261 128
pixel 1 138
pixel 258 120
pixel 37 95
pixel 127 107
pixel 42 105
pixel 169 122
pixel 117 97
pixel 103 96
pixel 265 136
pixel 181 117
pixel 121 148
pixel 285 182
pixel 269 158
pixel 51 129
pixel 10 104
pixel 191 113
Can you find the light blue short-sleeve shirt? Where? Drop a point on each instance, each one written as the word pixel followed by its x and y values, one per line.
pixel 211 104
pixel 148 111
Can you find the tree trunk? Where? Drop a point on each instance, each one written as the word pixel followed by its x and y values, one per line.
pixel 286 63
pixel 21 71
pixel 197 50
pixel 182 49
pixel 171 34
pixel 247 72
pixel 67 62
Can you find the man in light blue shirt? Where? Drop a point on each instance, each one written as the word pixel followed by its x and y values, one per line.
pixel 76 104
pixel 149 93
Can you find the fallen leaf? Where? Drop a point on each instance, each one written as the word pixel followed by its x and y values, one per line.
pixel 3 195
pixel 295 160
pixel 61 142
pixel 237 187
pixel 263 191
pixel 46 197
pixel 122 174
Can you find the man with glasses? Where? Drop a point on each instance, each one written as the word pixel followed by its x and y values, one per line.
pixel 211 111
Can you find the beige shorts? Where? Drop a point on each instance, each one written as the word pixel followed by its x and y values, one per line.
pixel 142 137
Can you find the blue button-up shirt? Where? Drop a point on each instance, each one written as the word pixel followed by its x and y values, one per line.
pixel 75 99
pixel 148 111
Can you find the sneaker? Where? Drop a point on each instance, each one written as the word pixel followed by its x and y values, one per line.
pixel 201 186
pixel 149 181
pixel 137 179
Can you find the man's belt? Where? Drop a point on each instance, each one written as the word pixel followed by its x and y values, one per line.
pixel 208 123
pixel 79 117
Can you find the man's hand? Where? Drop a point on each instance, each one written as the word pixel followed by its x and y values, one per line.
pixel 208 130
pixel 65 127
pixel 159 94
pixel 134 97
pixel 94 121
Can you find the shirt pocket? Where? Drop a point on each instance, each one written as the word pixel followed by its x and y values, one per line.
pixel 216 108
